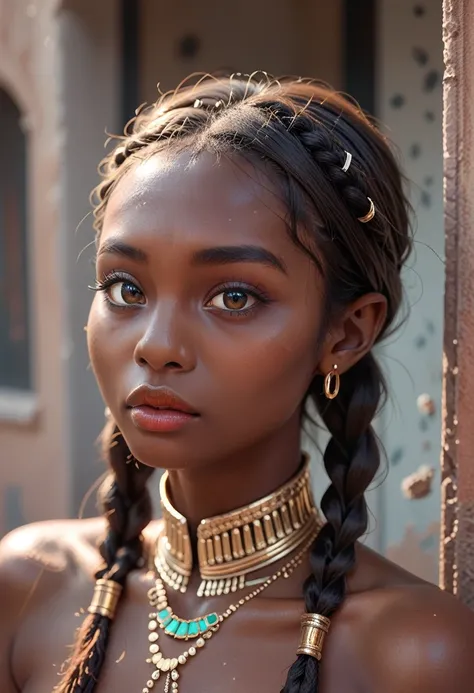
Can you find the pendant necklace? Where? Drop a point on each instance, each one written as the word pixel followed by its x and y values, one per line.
pixel 230 548
pixel 201 630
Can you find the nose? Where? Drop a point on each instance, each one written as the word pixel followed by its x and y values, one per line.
pixel 165 343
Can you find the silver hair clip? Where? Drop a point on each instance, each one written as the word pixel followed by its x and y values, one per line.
pixel 347 162
pixel 370 214
pixel 197 103
pixel 219 104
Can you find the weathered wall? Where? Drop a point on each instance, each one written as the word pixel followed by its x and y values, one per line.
pixel 34 458
pixel 61 62
pixel 409 96
pixel 281 37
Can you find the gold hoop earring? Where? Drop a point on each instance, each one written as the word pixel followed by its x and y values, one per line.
pixel 332 383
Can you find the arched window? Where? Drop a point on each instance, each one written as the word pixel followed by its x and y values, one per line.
pixel 15 362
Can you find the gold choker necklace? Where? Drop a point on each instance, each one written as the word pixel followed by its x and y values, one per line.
pixel 233 545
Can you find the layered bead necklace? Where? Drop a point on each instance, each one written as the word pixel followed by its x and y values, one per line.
pixel 230 548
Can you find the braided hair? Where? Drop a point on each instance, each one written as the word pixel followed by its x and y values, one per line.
pixel 302 131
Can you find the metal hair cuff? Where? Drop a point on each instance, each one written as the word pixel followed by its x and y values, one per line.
pixel 370 214
pixel 314 629
pixel 106 597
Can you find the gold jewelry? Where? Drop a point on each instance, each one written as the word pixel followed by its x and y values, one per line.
pixel 232 545
pixel 370 214
pixel 331 389
pixel 106 597
pixel 163 618
pixel 314 629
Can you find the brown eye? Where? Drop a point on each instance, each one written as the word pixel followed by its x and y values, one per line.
pixel 233 300
pixel 125 294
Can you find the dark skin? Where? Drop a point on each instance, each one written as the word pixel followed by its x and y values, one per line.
pixel 246 375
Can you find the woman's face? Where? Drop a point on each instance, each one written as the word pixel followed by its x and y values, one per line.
pixel 204 339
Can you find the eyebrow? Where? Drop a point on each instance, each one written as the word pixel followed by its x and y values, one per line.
pixel 227 255
pixel 222 255
pixel 121 248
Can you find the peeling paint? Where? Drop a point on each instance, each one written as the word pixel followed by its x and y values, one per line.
pixel 418 552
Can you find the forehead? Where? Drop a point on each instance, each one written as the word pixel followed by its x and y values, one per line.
pixel 206 201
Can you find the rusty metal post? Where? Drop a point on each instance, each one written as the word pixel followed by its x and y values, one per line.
pixel 457 460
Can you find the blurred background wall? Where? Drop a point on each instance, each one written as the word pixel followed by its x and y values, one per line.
pixel 71 70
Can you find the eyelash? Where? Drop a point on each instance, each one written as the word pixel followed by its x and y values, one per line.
pixel 256 292
pixel 262 298
pixel 109 279
pixel 113 277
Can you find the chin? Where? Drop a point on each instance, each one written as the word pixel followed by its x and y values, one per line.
pixel 166 450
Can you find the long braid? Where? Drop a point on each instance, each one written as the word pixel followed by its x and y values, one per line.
pixel 126 503
pixel 352 456
pixel 351 461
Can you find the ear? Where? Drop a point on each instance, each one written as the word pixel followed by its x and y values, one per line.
pixel 354 333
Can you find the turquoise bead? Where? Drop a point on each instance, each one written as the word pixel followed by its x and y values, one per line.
pixel 166 620
pixel 193 628
pixel 203 625
pixel 172 627
pixel 182 630
pixel 212 619
pixel 163 614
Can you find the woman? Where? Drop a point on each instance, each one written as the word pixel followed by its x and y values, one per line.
pixel 251 235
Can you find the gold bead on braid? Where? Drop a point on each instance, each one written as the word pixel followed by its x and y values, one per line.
pixel 106 597
pixel 314 629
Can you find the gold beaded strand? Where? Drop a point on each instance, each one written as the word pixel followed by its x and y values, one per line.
pixel 169 667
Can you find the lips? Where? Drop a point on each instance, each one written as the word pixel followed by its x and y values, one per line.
pixel 159 409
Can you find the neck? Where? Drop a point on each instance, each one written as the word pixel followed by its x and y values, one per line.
pixel 237 480
pixel 248 513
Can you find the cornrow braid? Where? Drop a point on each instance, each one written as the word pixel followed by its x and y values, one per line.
pixel 350 184
pixel 328 153
pixel 300 132
pixel 126 503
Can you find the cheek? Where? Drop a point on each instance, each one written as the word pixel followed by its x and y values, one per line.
pixel 271 373
pixel 105 351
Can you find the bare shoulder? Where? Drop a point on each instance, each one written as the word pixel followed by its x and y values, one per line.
pixel 39 559
pixel 52 546
pixel 410 636
pixel 49 555
pixel 37 562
